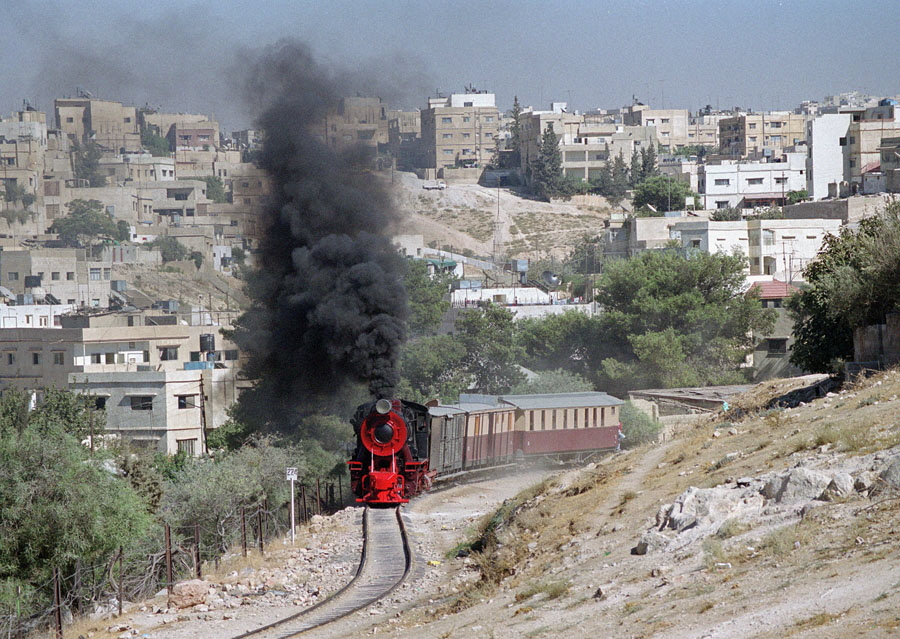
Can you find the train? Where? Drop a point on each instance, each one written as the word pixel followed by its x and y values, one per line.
pixel 402 447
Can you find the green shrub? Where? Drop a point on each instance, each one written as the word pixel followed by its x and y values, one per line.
pixel 637 426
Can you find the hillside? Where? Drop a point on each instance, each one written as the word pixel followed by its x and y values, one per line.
pixel 737 541
pixel 464 216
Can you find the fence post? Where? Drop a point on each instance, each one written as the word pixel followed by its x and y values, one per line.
pixel 243 531
pixel 340 492
pixel 169 559
pixel 303 498
pixel 197 550
pixel 57 604
pixel 259 527
pixel 121 577
pixel 318 498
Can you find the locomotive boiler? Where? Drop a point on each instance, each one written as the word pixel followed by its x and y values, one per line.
pixel 390 463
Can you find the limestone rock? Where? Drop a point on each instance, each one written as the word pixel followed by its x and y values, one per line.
pixel 841 487
pixel 796 486
pixel 188 593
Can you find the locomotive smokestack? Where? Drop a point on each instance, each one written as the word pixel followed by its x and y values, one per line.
pixel 328 301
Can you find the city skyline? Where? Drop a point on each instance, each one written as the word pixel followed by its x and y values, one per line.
pixel 670 54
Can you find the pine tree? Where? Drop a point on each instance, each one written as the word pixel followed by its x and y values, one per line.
pixel 515 132
pixel 636 172
pixel 648 159
pixel 546 171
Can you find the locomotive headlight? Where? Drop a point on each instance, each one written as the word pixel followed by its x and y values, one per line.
pixel 383 432
pixel 383 406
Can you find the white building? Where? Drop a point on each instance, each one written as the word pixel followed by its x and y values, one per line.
pixel 779 248
pixel 825 162
pixel 735 184
pixel 33 315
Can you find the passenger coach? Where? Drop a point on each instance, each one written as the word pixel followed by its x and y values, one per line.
pixel 487 430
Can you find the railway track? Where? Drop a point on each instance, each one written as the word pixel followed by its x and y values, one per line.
pixel 385 563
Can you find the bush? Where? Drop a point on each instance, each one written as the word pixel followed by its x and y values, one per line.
pixel 637 426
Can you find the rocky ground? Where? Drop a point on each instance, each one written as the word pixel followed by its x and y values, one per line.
pixel 465 216
pixel 757 523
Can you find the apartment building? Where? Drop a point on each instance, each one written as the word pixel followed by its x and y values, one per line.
pixel 459 131
pixel 146 370
pixel 890 163
pixel 825 154
pixel 111 125
pixel 752 184
pixel 868 128
pixel 66 275
pixel 355 121
pixel 754 135
pixel 672 125
pixel 778 248
pixel 34 315
pixel 405 138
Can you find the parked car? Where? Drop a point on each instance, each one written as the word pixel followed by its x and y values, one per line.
pixel 434 184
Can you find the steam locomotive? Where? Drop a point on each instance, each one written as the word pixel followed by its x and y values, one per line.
pixel 390 463
pixel 402 446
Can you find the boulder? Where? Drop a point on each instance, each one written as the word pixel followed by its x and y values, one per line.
pixel 891 475
pixel 796 486
pixel 186 594
pixel 841 487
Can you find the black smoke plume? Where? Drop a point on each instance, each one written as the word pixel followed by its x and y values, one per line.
pixel 329 305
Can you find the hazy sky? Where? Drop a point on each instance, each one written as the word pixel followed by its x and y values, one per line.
pixel 186 56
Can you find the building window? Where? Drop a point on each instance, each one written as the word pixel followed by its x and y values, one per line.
pixel 100 403
pixel 489 118
pixel 446 120
pixel 107 273
pixel 448 136
pixel 722 182
pixel 466 118
pixel 754 180
pixel 96 358
pixel 12 276
pixel 186 446
pixel 70 275
pixel 59 358
pixel 448 151
pixel 168 353
pixel 70 120
pixel 781 180
pixel 95 274
pixel 184 401
pixel 141 402
pixel 10 359
pixel 231 355
pixel 109 358
pixel 36 359
pixel 776 125
pixel 776 346
pixel 722 204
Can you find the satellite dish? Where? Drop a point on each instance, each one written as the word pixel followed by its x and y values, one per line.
pixel 551 279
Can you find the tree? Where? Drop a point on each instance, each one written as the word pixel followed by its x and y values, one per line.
pixel 546 170
pixel 123 231
pixel 156 144
pixel 85 222
pixel 426 297
pixel 663 193
pixel 515 132
pixel 58 506
pixel 636 171
pixel 433 368
pixel 556 381
pixel 87 164
pixel 492 352
pixel 170 248
pixel 730 214
pixel 215 189
pixel 637 426
pixel 795 197
pixel 648 162
pixel 855 281
pixel 671 320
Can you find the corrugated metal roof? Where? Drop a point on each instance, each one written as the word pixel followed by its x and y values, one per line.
pixel 561 400
pixel 444 411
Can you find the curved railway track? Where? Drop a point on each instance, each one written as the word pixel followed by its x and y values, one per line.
pixel 385 563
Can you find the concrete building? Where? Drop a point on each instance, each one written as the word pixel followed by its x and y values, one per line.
pixel 672 125
pixel 111 125
pixel 752 184
pixel 777 248
pixel 825 160
pixel 890 163
pixel 146 370
pixel 867 129
pixel 405 138
pixel 67 275
pixel 755 135
pixel 355 121
pixel 459 132
pixel 34 315
pixel 771 355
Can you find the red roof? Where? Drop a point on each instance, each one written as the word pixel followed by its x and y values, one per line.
pixel 774 289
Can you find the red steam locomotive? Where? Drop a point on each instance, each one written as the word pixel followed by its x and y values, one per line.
pixel 390 463
pixel 401 446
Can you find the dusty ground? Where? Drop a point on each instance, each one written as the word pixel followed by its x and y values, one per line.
pixel 464 216
pixel 750 566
